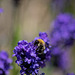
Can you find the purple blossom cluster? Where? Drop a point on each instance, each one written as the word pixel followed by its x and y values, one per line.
pixel 62 38
pixel 1 10
pixel 5 62
pixel 27 57
pixel 63 33
pixel 70 74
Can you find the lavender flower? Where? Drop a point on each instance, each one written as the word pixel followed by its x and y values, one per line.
pixel 62 38
pixel 70 74
pixel 1 10
pixel 63 33
pixel 28 59
pixel 5 62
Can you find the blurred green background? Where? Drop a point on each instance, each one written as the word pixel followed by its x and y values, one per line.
pixel 24 19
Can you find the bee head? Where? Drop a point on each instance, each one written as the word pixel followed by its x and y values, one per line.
pixel 41 41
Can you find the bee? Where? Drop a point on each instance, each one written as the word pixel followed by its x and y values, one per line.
pixel 40 46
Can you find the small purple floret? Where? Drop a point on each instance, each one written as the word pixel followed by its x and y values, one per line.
pixel 1 10
pixel 5 62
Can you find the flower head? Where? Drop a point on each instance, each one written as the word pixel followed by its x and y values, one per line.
pixel 5 62
pixel 27 57
pixel 63 33
pixel 62 38
pixel 1 10
pixel 70 74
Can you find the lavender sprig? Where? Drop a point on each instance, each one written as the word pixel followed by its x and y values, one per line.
pixel 5 62
pixel 27 57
